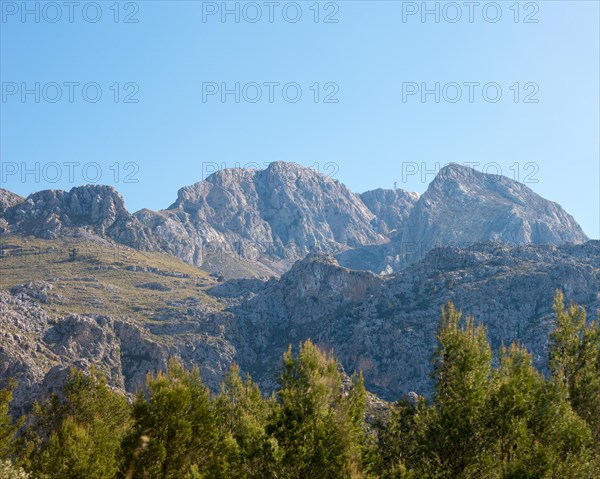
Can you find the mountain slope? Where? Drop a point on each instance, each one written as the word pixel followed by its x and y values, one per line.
pixel 127 311
pixel 385 326
pixel 463 205
pixel 238 222
pixel 271 217
pixel 391 209
pixel 257 223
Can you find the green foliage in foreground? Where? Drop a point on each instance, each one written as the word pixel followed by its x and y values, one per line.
pixel 506 421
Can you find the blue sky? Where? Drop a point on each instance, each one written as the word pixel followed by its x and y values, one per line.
pixel 366 60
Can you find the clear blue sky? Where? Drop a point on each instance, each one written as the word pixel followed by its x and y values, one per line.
pixel 369 133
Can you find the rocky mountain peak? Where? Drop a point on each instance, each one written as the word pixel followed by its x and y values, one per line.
pixel 391 209
pixel 194 196
pixel 463 206
pixel 460 180
pixel 456 170
pixel 285 211
pixel 245 222
pixel 48 212
pixel 8 199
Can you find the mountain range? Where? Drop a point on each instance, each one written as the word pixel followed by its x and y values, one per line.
pixel 257 223
pixel 248 261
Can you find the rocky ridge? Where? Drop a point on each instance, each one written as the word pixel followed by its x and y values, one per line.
pixel 382 325
pixel 257 223
pixel 304 254
pixel 461 207
pixel 385 326
pixel 391 209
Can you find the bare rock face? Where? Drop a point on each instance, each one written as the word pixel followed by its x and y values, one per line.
pixel 385 326
pixel 8 199
pixel 21 324
pixel 464 206
pixel 38 351
pixel 286 210
pixel 51 213
pixel 257 223
pixel 391 209
pixel 304 303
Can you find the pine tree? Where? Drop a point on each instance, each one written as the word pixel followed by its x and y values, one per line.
pixel 531 429
pixel 453 429
pixel 515 387
pixel 356 409
pixel 316 424
pixel 80 435
pixel 8 428
pixel 175 433
pixel 575 360
pixel 401 440
pixel 241 415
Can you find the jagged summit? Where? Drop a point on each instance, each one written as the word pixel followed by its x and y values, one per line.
pixel 49 213
pixel 285 210
pixel 455 178
pixel 278 172
pixel 8 199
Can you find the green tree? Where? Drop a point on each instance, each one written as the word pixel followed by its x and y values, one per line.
pixel 356 404
pixel 242 415
pixel 8 427
pixel 462 367
pixel 575 360
pixel 175 434
pixel 563 440
pixel 531 427
pixel 515 388
pixel 79 435
pixel 400 439
pixel 317 423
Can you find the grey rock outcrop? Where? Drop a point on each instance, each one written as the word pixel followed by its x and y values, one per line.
pixel 51 213
pixel 391 209
pixel 385 326
pixel 8 199
pixel 257 223
pixel 463 206
pixel 38 351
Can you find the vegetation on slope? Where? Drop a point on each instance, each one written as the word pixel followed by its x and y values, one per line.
pixel 99 277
